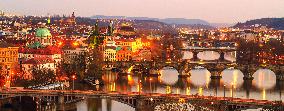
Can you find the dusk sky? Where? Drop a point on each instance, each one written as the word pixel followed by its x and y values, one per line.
pixel 220 11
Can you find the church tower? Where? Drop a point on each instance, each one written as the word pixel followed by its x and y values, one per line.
pixel 95 39
pixel 110 28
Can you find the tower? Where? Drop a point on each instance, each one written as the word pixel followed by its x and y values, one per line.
pixel 95 39
pixel 110 28
pixel 48 20
pixel 72 19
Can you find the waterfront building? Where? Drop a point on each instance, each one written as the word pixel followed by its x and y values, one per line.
pixel 8 57
pixel 142 55
pixel 110 53
pixel 8 61
pixel 37 64
pixel 71 52
pixel 124 54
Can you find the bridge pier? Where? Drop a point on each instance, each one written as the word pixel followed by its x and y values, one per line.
pixel 279 81
pixel 195 57
pixel 222 56
pixel 184 74
pixel 60 99
pixel 215 75
pixel 248 76
pixel 280 76
pixel 141 105
pixel 215 83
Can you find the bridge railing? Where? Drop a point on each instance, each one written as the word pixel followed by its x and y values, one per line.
pixel 135 94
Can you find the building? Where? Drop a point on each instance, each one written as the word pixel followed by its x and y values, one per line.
pixel 126 31
pixel 110 53
pixel 40 53
pixel 71 52
pixel 8 57
pixel 37 64
pixel 124 54
pixel 42 38
pixel 8 61
pixel 142 55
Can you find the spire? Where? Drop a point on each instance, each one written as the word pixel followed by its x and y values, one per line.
pixel 96 31
pixel 48 20
pixel 110 28
pixel 73 15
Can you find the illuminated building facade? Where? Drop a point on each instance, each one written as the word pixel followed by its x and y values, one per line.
pixel 8 57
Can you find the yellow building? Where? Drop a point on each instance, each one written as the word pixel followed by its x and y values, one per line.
pixel 110 53
pixel 8 59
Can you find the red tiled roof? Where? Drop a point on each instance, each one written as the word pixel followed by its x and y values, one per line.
pixel 50 50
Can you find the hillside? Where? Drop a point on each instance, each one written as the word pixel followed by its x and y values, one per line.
pixel 166 20
pixel 276 23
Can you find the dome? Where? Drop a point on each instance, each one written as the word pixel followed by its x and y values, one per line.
pixel 42 32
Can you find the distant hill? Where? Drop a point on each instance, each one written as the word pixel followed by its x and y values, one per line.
pixel 276 23
pixel 222 24
pixel 166 20
pixel 184 21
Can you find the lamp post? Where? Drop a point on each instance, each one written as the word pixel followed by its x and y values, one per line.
pixel 232 90
pixel 73 78
pixel 139 87
pixel 224 91
pixel 150 85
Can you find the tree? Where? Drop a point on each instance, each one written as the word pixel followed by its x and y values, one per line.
pixel 95 62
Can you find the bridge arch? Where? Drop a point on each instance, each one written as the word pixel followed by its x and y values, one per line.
pixel 19 103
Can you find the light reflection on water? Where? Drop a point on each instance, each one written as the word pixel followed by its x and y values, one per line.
pixel 199 83
pixel 261 88
pixel 102 105
pixel 231 56
pixel 234 77
pixel 264 78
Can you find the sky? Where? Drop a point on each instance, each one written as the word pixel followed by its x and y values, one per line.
pixel 214 11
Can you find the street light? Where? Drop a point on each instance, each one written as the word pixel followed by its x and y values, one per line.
pixel 139 87
pixel 224 91
pixel 232 90
pixel 73 78
pixel 150 85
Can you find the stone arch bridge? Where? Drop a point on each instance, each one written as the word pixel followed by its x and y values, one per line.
pixel 143 101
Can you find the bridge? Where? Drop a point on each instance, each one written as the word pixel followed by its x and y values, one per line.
pixel 200 46
pixel 143 101
pixel 184 67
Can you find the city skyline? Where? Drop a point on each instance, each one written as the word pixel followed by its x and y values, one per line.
pixel 217 11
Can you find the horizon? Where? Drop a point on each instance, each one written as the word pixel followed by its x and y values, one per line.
pixel 229 12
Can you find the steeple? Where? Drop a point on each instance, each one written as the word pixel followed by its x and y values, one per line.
pixel 110 28
pixel 73 15
pixel 96 31
pixel 48 20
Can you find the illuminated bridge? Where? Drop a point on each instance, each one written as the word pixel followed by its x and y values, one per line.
pixel 143 101
pixel 200 46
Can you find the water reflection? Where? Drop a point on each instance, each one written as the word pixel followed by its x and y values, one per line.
pixel 231 56
pixel 262 87
pixel 200 77
pixel 232 77
pixel 169 76
pixel 96 104
pixel 264 78
pixel 200 83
